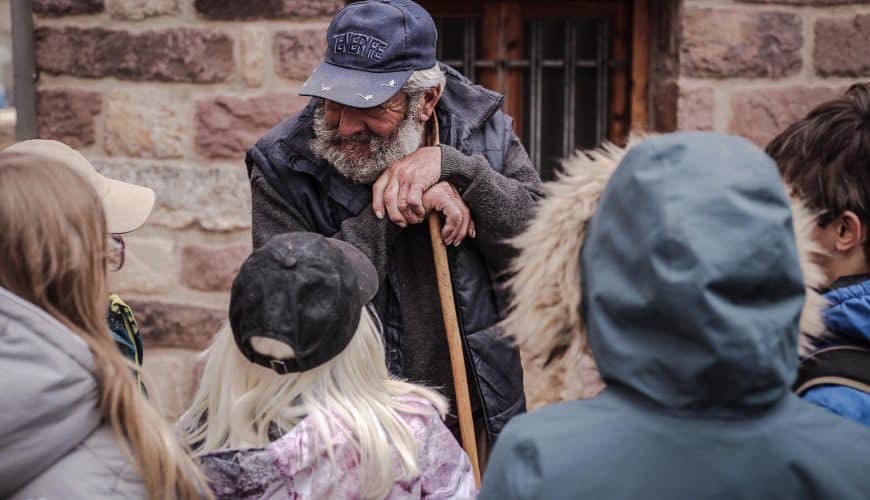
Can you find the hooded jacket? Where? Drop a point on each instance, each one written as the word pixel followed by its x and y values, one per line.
pixel 692 292
pixel 54 442
pixel 848 322
pixel 297 465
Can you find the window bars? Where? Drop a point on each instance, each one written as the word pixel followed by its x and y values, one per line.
pixel 566 123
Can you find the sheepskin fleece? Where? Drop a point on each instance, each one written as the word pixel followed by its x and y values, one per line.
pixel 544 317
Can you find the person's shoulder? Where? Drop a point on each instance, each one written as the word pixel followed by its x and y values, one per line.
pixel 548 430
pixel 417 402
pixel 551 415
pixel 419 413
pixel 844 401
pixel 521 461
pixel 831 449
pixel 473 102
pixel 814 425
pixel 100 469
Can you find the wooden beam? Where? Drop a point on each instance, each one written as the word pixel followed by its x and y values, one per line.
pixel 566 8
pixel 452 8
pixel 619 78
pixel 502 41
pixel 640 66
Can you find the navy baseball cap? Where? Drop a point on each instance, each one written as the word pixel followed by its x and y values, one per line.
pixel 372 48
pixel 304 290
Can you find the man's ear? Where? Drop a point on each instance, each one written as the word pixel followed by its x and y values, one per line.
pixel 430 100
pixel 851 232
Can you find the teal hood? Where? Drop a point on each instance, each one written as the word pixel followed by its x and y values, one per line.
pixel 692 287
pixel 691 298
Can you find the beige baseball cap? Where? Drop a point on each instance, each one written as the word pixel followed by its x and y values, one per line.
pixel 127 206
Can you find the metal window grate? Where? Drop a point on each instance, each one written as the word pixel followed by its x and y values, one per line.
pixel 553 126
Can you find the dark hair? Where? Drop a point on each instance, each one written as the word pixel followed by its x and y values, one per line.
pixel 825 157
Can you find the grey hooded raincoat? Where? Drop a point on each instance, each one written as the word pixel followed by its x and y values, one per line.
pixel 692 292
pixel 54 443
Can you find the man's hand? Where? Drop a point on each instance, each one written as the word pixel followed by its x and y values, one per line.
pixel 458 223
pixel 399 190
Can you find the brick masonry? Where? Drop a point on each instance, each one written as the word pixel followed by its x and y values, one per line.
pixel 841 46
pixel 166 324
pixel 145 124
pixel 297 52
pixel 69 116
pixel 247 10
pixel 67 7
pixel 172 55
pixel 136 10
pixel 170 94
pixel 759 114
pixel 227 126
pixel 722 43
pixel 212 268
pixel 751 67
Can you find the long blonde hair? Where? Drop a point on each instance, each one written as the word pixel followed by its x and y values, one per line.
pixel 239 404
pixel 54 240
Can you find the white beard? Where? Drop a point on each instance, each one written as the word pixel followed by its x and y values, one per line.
pixel 383 151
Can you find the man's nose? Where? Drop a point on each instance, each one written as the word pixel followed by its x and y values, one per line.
pixel 350 122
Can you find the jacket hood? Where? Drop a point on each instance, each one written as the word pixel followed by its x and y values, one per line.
pixel 50 396
pixel 545 316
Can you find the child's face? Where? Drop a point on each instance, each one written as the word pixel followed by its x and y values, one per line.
pixel 841 243
pixel 825 238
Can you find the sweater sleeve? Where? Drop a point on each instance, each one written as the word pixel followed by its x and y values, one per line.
pixel 448 473
pixel 501 203
pixel 271 215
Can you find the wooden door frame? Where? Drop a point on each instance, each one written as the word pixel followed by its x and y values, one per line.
pixel 640 66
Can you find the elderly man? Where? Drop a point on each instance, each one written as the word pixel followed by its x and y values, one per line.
pixel 353 165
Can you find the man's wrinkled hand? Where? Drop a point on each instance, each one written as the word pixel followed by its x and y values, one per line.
pixel 458 223
pixel 399 191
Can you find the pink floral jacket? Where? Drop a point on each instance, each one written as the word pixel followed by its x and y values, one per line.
pixel 296 466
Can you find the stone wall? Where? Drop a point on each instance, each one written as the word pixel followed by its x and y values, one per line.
pixel 751 67
pixel 170 94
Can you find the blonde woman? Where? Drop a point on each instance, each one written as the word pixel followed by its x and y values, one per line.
pixel 73 423
pixel 296 401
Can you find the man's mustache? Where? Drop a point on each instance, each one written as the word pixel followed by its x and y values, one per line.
pixel 358 137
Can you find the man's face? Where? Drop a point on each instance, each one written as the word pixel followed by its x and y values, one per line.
pixel 355 126
pixel 362 143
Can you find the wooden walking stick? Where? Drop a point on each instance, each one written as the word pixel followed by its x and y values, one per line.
pixel 451 328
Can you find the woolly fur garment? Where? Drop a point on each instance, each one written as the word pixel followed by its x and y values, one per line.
pixel 544 317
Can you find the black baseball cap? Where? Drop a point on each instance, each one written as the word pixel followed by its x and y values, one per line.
pixel 305 290
pixel 372 48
